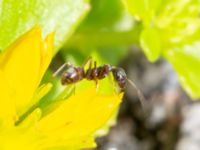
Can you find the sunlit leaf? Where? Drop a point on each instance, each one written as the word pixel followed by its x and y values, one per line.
pixel 186 61
pixel 151 43
pixel 172 30
pixel 105 27
pixel 61 16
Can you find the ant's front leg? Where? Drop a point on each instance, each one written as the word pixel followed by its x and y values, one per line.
pixel 97 85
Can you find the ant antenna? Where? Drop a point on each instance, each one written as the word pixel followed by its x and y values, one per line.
pixel 139 93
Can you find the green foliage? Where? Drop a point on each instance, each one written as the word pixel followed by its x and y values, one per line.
pixel 149 41
pixel 107 17
pixel 186 61
pixel 171 28
pixel 107 25
pixel 61 16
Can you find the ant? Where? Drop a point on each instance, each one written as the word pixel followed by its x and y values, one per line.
pixel 75 74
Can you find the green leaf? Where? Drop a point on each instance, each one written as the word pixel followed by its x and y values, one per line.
pixel 102 15
pixel 144 10
pixel 107 25
pixel 186 62
pixel 151 43
pixel 138 8
pixel 171 11
pixel 176 21
pixel 61 16
pixel 171 28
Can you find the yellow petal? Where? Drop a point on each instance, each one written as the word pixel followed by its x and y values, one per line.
pixel 62 143
pixel 31 120
pixel 46 53
pixel 24 64
pixel 80 115
pixel 21 65
pixel 7 105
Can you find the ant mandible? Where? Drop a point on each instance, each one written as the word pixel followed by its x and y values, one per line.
pixel 75 74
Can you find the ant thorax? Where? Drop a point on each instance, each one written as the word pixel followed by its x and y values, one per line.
pixel 98 73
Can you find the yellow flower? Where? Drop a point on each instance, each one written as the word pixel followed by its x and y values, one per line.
pixel 70 125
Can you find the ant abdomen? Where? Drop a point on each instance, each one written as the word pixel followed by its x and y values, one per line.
pixel 72 75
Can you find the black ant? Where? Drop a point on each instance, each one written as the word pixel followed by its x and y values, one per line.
pixel 75 74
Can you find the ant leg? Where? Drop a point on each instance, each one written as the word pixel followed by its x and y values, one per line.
pixel 74 89
pixel 97 85
pixel 95 66
pixel 90 65
pixel 88 60
pixel 113 84
pixel 88 71
pixel 61 68
pixel 94 75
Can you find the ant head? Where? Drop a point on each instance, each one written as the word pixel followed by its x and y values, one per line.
pixel 120 77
